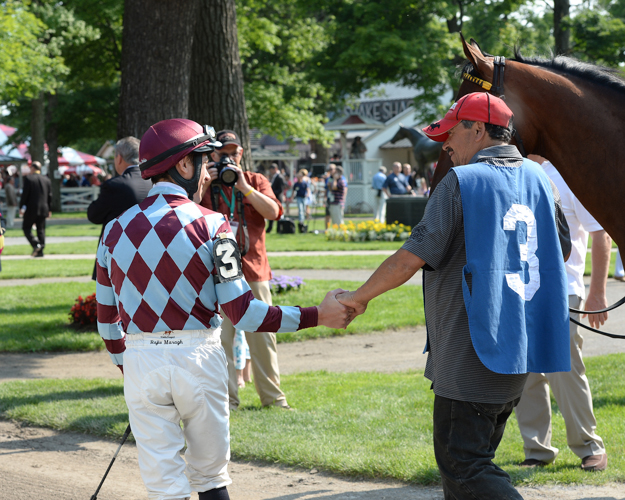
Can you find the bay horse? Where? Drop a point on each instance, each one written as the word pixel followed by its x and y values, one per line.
pixel 571 113
pixel 425 149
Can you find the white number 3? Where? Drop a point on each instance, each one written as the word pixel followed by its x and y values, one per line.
pixel 228 258
pixel 521 213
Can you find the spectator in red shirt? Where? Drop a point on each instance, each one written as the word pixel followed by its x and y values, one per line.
pixel 247 204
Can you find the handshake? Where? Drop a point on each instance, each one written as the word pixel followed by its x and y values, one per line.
pixel 339 308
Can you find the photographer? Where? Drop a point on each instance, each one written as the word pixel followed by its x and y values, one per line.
pixel 247 203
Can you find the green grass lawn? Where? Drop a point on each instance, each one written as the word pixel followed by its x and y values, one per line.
pixel 36 318
pixel 357 424
pixel 317 242
pixel 86 229
pixel 43 268
pixel 322 262
pixel 77 247
pixel 69 215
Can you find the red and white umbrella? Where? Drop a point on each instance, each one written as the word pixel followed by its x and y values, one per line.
pixel 81 170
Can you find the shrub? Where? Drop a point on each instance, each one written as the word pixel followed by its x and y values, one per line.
pixel 282 284
pixel 368 231
pixel 84 311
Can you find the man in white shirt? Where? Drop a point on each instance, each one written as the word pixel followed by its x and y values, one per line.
pixel 570 389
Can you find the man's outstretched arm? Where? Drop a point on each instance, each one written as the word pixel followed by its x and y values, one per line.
pixel 393 272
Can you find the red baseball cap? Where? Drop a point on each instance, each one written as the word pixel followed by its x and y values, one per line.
pixel 169 141
pixel 475 107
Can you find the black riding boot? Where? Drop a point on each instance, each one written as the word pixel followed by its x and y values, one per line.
pixel 215 494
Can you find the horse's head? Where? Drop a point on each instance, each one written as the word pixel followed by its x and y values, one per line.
pixel 400 134
pixel 477 76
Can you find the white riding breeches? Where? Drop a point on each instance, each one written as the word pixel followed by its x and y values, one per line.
pixel 174 377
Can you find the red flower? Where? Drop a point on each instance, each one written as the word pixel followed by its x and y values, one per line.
pixel 84 311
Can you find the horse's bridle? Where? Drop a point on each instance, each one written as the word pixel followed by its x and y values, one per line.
pixel 497 90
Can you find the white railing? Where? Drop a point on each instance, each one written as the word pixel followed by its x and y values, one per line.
pixel 361 171
pixel 78 199
pixel 359 174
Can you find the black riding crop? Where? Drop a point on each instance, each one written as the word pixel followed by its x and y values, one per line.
pixel 124 437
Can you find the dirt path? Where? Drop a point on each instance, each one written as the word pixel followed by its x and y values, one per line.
pixel 44 464
pixel 41 463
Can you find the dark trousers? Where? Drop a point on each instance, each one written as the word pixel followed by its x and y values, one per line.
pixel 27 226
pixel 466 436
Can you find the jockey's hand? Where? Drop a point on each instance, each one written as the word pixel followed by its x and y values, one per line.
pixel 332 313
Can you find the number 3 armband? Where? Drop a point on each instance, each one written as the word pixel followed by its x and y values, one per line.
pixel 227 258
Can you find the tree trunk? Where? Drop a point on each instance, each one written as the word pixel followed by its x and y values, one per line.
pixel 156 53
pixel 562 36
pixel 37 130
pixel 320 151
pixel 216 95
pixel 53 145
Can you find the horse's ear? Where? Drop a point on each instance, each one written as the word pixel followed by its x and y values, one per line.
pixel 476 56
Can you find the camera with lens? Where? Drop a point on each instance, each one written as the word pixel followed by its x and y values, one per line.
pixel 226 175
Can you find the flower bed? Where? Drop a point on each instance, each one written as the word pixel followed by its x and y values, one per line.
pixel 83 313
pixel 368 231
pixel 282 284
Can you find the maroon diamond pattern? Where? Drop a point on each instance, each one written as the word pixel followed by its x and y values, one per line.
pixel 148 202
pixel 117 276
pixel 124 317
pixel 197 231
pixel 168 227
pixel 176 200
pixel 196 273
pixel 113 236
pixel 138 228
pixel 174 316
pixel 145 318
pixel 201 313
pixel 139 273
pixel 167 272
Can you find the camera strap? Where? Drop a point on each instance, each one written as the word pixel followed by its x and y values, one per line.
pixel 242 236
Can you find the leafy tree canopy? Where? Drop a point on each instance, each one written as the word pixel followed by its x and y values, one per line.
pixel 27 66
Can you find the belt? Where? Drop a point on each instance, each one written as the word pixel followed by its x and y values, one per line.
pixel 174 338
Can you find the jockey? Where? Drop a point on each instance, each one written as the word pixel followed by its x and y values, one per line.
pixel 164 268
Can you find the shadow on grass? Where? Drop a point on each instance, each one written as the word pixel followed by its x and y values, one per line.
pixel 607 400
pixel 109 426
pixel 10 402
pixel 374 494
pixel 26 309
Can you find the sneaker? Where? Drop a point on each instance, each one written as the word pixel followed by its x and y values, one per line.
pixel 619 278
pixel 36 251
pixel 532 462
pixel 593 463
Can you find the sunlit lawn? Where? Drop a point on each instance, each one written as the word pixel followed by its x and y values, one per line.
pixel 356 424
pixel 35 318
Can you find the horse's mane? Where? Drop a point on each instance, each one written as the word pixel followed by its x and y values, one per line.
pixel 600 75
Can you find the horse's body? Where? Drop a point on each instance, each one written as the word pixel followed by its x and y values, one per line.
pixel 572 114
pixel 425 149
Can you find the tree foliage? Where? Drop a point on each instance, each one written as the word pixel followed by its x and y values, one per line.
pixel 277 42
pixel 599 34
pixel 301 59
pixel 27 65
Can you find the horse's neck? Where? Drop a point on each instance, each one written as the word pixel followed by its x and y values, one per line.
pixel 413 134
pixel 573 123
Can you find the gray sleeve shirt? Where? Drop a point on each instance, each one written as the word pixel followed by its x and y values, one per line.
pixel 453 366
